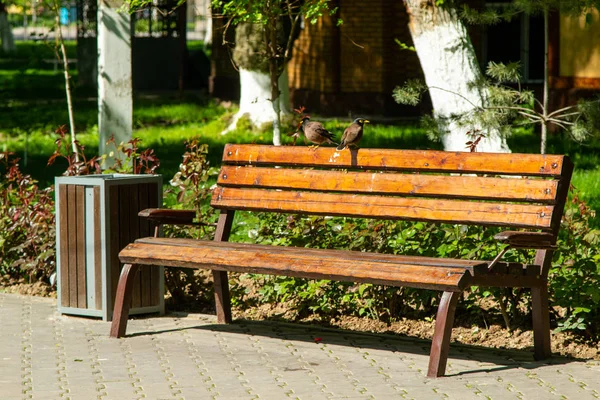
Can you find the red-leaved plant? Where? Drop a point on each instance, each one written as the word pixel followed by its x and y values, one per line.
pixel 27 230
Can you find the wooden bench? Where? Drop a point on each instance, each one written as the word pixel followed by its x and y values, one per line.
pixel 524 191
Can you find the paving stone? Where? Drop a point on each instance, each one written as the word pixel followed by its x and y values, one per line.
pixel 48 356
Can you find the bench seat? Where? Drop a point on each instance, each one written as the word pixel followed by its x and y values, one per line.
pixel 353 266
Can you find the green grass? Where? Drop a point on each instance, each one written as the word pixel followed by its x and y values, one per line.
pixel 587 185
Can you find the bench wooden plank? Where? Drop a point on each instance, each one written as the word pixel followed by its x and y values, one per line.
pixel 310 265
pixel 451 211
pixel 474 267
pixel 442 186
pixel 393 160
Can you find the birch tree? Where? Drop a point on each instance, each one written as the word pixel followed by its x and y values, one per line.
pixel 256 90
pixel 450 67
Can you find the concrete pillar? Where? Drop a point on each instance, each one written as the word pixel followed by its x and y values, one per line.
pixel 115 93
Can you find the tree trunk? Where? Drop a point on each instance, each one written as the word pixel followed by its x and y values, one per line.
pixel 63 55
pixel 255 98
pixel 6 35
pixel 546 94
pixel 261 100
pixel 450 66
pixel 208 38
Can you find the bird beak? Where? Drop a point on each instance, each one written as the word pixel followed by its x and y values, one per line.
pixel 366 121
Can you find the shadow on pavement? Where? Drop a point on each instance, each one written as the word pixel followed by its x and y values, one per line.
pixel 488 359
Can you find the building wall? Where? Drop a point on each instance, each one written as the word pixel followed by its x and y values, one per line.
pixel 580 46
pixel 362 46
pixel 353 68
pixel 315 61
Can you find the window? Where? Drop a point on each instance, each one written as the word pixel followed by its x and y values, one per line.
pixel 521 39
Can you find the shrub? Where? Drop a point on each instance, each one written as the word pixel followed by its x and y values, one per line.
pixel 27 221
pixel 27 229
pixel 574 277
pixel 575 273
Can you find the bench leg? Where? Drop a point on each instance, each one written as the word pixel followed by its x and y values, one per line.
pixel 123 300
pixel 440 344
pixel 222 298
pixel 541 322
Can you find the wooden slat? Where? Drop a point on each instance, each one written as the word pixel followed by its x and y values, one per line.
pixel 143 231
pixel 155 292
pixel 64 246
pixel 134 233
pixel 125 234
pixel 451 211
pixel 473 266
pixel 442 186
pixel 532 270
pixel 384 159
pixel 114 234
pixel 97 249
pixel 81 269
pixel 72 223
pixel 309 265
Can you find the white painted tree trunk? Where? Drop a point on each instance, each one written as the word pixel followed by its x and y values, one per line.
pixel 208 29
pixel 6 35
pixel 450 66
pixel 255 98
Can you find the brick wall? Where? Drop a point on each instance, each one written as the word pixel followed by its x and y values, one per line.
pixel 315 60
pixel 355 67
pixel 361 46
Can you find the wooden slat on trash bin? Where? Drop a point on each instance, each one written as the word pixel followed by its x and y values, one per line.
pixel 115 264
pixel 80 246
pixel 131 204
pixel 64 246
pixel 97 250
pixel 72 233
pixel 143 231
pixel 155 292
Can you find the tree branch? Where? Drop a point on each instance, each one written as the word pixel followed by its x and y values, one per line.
pixel 290 42
pixel 456 94
pixel 560 122
pixel 561 110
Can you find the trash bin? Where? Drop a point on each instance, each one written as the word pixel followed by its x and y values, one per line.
pixel 96 216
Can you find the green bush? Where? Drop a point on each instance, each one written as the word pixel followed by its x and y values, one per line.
pixel 27 229
pixel 575 273
pixel 574 277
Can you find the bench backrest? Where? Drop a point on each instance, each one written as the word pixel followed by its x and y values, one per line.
pixel 510 190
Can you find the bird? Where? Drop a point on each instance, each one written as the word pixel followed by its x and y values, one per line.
pixel 315 132
pixel 353 134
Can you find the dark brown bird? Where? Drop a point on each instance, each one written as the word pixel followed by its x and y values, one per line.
pixel 316 132
pixel 353 134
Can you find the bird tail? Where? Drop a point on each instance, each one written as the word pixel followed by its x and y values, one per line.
pixel 342 146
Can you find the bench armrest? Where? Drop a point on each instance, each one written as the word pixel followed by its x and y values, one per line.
pixel 162 216
pixel 528 240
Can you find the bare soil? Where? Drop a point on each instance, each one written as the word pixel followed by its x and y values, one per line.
pixel 493 335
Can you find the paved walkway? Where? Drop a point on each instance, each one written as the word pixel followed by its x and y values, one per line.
pixel 44 355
